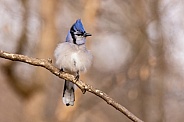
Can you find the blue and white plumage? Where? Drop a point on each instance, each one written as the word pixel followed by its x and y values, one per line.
pixel 73 57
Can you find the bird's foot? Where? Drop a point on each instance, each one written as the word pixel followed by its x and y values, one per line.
pixel 61 70
pixel 77 76
pixel 83 91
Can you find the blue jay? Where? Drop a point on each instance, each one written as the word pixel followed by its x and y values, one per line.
pixel 73 57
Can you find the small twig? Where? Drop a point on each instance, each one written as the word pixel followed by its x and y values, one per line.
pixel 83 86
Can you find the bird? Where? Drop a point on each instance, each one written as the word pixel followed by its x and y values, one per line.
pixel 73 57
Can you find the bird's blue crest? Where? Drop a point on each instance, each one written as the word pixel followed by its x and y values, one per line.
pixel 77 26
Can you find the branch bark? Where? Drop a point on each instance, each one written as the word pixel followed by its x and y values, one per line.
pixel 47 64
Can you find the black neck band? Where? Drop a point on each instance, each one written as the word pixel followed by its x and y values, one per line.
pixel 73 37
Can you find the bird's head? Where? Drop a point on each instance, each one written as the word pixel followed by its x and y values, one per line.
pixel 78 33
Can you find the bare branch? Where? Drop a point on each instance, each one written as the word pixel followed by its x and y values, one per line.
pixel 83 86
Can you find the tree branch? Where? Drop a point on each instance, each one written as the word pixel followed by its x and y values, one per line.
pixel 83 86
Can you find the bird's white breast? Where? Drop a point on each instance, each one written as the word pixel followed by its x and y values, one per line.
pixel 72 57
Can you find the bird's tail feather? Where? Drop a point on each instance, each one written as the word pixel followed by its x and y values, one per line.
pixel 68 93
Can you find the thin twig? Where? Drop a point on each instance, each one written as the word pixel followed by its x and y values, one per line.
pixel 83 86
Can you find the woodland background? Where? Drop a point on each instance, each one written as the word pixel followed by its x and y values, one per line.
pixel 138 59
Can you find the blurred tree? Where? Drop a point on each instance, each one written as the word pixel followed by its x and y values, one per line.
pixel 41 106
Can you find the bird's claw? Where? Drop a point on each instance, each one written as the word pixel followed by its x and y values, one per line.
pixel 77 77
pixel 83 91
pixel 61 70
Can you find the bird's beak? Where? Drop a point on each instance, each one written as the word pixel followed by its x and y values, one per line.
pixel 87 34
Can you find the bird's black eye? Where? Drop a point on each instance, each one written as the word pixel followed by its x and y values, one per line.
pixel 78 34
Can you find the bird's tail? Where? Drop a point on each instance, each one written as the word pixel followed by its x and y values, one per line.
pixel 68 93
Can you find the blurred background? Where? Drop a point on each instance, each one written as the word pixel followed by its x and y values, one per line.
pixel 138 53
